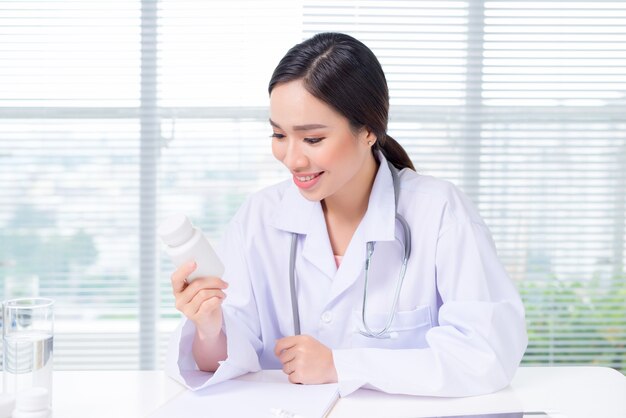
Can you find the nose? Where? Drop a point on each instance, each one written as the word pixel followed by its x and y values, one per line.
pixel 295 158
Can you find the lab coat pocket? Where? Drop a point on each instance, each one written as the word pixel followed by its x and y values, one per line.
pixel 408 329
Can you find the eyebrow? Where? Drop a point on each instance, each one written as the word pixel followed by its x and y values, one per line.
pixel 308 127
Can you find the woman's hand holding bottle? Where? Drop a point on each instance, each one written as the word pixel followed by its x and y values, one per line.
pixel 201 300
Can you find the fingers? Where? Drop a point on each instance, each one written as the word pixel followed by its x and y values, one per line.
pixel 209 305
pixel 198 302
pixel 305 360
pixel 284 344
pixel 295 377
pixel 191 299
pixel 179 277
pixel 286 356
pixel 286 350
pixel 188 293
pixel 292 372
pixel 287 368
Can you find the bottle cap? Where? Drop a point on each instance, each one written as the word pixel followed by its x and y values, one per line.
pixel 176 230
pixel 7 403
pixel 32 399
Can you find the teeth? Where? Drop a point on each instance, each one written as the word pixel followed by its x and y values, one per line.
pixel 307 178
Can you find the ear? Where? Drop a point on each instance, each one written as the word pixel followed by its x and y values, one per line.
pixel 367 136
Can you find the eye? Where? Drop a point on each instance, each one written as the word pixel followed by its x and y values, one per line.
pixel 277 135
pixel 313 140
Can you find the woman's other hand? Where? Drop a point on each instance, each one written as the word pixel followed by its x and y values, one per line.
pixel 306 360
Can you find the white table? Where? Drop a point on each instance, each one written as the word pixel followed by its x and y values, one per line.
pixel 575 392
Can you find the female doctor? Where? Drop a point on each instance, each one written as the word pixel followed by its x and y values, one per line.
pixel 357 270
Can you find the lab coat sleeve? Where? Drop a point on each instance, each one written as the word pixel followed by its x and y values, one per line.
pixel 240 325
pixel 480 339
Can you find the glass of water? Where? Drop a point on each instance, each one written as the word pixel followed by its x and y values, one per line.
pixel 27 335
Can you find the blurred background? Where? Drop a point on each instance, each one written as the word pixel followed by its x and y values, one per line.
pixel 116 113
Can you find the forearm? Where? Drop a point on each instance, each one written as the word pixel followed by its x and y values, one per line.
pixel 462 357
pixel 209 350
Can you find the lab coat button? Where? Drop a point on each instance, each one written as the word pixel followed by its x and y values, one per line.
pixel 327 317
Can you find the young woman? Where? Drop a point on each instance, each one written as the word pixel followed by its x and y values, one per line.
pixel 357 270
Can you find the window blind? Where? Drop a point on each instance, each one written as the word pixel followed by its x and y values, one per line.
pixel 114 114
pixel 553 170
pixel 522 104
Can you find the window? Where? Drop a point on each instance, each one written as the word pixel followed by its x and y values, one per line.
pixel 115 113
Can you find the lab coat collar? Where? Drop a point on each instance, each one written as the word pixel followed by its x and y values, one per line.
pixel 380 219
pixel 294 212
pixel 297 214
pixel 377 225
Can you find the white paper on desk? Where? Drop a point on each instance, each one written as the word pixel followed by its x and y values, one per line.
pixel 237 398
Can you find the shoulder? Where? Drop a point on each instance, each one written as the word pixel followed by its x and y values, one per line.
pixel 441 196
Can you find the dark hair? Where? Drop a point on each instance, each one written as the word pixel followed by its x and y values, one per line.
pixel 344 73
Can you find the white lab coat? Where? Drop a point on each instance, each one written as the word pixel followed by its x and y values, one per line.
pixel 459 329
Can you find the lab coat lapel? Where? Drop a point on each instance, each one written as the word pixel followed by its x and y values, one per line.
pixel 317 248
pixel 351 267
pixel 377 225
pixel 296 214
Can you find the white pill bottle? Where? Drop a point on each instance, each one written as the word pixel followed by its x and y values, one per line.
pixel 185 243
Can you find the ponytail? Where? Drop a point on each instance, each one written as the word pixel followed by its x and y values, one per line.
pixel 394 153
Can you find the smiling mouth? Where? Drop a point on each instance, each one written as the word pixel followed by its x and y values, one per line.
pixel 307 182
pixel 308 178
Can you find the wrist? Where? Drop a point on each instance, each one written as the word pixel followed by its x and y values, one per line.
pixel 208 334
pixel 332 375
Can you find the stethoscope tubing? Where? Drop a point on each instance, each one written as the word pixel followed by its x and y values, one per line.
pixel 367 331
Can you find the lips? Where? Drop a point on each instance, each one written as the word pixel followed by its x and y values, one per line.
pixel 306 180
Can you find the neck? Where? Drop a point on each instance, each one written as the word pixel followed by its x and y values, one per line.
pixel 350 204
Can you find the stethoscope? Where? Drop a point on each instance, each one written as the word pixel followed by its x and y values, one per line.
pixel 366 331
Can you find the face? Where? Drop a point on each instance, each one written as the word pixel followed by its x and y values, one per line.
pixel 316 143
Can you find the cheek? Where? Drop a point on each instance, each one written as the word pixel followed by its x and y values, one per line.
pixel 344 154
pixel 278 150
